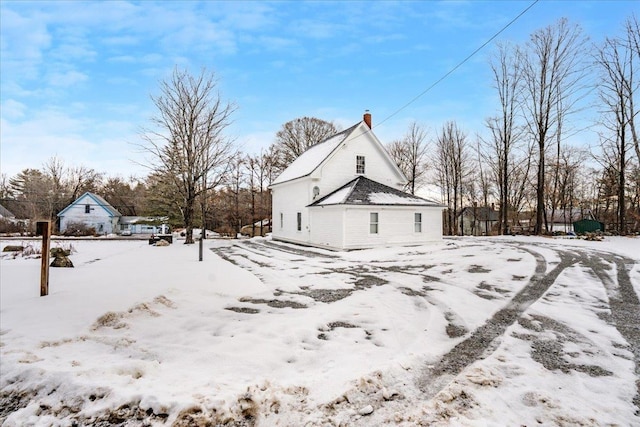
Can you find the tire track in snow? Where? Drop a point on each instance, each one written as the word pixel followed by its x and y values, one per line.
pixel 623 302
pixel 483 340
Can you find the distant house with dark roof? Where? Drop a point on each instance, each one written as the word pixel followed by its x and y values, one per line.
pixel 477 220
pixel 6 213
pixel 346 193
pixel 93 211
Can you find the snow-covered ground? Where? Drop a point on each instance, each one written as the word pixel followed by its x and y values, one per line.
pixel 265 333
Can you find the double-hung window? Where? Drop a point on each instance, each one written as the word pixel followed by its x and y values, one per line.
pixel 417 222
pixel 373 223
pixel 87 209
pixel 299 221
pixel 360 165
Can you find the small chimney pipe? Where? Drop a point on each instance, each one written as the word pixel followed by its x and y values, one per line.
pixel 367 118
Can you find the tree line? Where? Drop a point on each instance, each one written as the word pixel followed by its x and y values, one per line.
pixel 522 163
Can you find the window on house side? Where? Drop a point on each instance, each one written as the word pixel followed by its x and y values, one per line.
pixel 281 220
pixel 299 221
pixel 87 208
pixel 417 222
pixel 360 165
pixel 373 222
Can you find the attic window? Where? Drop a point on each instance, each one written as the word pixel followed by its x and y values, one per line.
pixel 360 165
pixel 87 208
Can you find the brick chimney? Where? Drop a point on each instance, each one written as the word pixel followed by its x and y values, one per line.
pixel 367 118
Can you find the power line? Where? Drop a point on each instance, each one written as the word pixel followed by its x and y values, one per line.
pixel 459 64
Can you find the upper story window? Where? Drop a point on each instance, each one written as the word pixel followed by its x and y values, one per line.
pixel 360 165
pixel 87 208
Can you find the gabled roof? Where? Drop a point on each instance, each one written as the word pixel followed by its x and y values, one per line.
pixel 482 213
pixel 313 157
pixel 6 213
pixel 98 200
pixel 366 192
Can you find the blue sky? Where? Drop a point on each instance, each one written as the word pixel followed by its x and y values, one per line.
pixel 76 77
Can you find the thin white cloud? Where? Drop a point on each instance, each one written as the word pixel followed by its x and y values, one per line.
pixel 74 139
pixel 67 79
pixel 24 38
pixel 12 109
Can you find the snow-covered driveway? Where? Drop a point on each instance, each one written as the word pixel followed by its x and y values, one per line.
pixel 469 332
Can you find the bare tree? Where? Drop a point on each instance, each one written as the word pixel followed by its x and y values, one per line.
pixel 235 186
pixel 186 143
pixel 617 60
pixel 410 154
pixel 296 136
pixel 122 195
pixel 482 176
pixel 80 179
pixel 259 169
pixel 505 133
pixel 5 189
pixel 451 164
pixel 553 67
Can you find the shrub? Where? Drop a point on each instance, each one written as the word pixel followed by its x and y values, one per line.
pixel 79 229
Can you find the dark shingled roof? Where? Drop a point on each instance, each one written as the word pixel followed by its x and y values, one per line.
pixel 364 191
pixel 6 213
pixel 481 213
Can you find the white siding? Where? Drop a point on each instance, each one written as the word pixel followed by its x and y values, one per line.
pixel 290 198
pixel 347 227
pixel 342 166
pixel 395 226
pixel 327 226
pixel 97 217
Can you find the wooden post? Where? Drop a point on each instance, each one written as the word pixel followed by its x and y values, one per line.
pixel 44 228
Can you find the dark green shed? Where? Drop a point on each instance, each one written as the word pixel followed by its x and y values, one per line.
pixel 587 226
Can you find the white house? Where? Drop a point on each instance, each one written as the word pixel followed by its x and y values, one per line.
pixel 93 211
pixel 346 193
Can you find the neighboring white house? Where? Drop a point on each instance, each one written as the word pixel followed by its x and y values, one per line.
pixel 345 193
pixel 93 211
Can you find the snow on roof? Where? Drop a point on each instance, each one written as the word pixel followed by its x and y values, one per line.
pixel 143 219
pixel 394 199
pixel 339 196
pixel 364 191
pixel 313 157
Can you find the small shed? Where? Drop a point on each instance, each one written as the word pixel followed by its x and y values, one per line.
pixel 587 226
